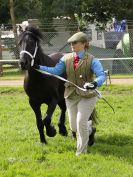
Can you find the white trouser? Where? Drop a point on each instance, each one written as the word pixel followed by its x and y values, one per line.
pixel 79 112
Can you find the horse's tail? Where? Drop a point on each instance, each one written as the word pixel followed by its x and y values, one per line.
pixel 94 117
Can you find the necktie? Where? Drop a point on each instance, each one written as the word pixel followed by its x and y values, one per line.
pixel 75 62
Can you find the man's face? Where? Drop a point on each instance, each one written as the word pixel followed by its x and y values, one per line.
pixel 77 46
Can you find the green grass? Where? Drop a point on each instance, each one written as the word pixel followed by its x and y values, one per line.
pixel 121 76
pixel 21 154
pixel 12 74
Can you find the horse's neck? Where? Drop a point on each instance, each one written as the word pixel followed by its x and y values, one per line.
pixel 43 59
pixel 33 76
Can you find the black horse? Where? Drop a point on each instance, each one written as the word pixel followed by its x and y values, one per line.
pixel 41 88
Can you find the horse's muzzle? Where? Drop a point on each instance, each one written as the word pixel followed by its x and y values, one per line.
pixel 24 65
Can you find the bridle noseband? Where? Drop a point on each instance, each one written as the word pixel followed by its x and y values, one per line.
pixel 32 56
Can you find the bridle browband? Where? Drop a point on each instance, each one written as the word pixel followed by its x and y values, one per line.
pixel 32 56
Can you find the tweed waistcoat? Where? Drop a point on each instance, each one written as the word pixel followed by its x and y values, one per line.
pixel 79 76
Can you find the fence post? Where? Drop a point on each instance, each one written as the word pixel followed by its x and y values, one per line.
pixel 1 68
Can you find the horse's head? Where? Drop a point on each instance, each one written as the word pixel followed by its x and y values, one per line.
pixel 29 41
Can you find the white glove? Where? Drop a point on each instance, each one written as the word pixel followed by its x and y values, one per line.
pixel 90 85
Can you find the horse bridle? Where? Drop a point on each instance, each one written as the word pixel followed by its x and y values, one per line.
pixel 32 56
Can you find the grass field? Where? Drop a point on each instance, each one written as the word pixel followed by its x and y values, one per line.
pixel 21 154
pixel 12 74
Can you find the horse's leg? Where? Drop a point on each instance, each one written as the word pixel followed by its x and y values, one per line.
pixel 61 122
pixel 50 130
pixel 36 108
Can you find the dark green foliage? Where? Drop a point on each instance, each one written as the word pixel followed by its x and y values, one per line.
pixel 4 11
pixel 98 11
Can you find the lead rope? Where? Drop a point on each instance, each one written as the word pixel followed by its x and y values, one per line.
pixel 80 88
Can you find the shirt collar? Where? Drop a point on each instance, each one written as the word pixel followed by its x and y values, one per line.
pixel 80 54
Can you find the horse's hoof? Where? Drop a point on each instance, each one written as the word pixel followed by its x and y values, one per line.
pixel 50 131
pixel 43 143
pixel 62 130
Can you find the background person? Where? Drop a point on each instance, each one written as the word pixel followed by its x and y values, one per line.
pixel 80 68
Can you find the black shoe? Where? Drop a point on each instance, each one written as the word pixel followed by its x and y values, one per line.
pixel 92 137
pixel 74 135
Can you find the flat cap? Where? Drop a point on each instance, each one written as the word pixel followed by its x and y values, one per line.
pixel 78 37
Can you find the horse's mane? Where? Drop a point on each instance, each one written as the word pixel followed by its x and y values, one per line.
pixel 32 31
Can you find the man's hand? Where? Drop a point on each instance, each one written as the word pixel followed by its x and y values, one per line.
pixel 36 66
pixel 90 86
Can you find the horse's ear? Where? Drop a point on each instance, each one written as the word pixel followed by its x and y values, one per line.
pixel 20 29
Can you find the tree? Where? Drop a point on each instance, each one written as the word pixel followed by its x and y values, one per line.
pixel 23 10
pixel 98 11
pixel 13 19
pixel 102 11
pixel 4 11
pixel 27 9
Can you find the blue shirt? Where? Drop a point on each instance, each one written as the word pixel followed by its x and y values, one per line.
pixel 96 68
